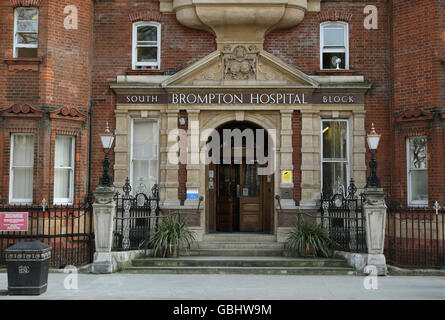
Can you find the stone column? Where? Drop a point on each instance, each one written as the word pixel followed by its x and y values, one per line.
pixel 171 182
pixel 193 161
pixel 310 158
pixel 374 209
pixel 104 208
pixel 286 163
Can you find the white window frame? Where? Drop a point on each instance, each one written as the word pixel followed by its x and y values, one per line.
pixel 135 63
pixel 69 200
pixel 334 49
pixel 17 45
pixel 11 170
pixel 418 203
pixel 155 120
pixel 347 161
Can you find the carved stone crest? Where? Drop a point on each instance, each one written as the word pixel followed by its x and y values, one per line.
pixel 240 63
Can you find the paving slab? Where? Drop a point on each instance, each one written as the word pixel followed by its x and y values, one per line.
pixel 235 287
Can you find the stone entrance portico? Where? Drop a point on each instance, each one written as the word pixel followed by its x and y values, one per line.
pixel 324 98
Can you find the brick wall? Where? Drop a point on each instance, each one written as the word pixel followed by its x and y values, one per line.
pixel 418 72
pixel 60 78
pixel 296 156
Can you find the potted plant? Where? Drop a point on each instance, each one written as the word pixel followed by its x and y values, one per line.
pixel 309 239
pixel 172 234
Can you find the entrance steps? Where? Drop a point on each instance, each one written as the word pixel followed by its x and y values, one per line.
pixel 240 265
pixel 239 254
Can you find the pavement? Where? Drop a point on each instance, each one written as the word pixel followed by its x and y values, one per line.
pixel 234 287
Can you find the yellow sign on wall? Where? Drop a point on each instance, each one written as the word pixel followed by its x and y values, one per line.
pixel 286 176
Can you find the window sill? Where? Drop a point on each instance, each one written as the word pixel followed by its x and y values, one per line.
pixel 20 64
pixel 336 72
pixel 132 72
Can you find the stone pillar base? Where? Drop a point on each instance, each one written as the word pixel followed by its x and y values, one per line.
pixel 368 264
pixel 376 261
pixel 103 263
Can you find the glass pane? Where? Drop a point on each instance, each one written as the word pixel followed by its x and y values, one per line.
pixel 334 36
pixel 27 38
pixel 335 142
pixel 23 150
pixel 26 52
pixel 224 180
pixel 147 54
pixel 63 157
pixel 147 33
pixel 62 182
pixel 145 139
pixel 27 14
pixel 335 177
pixel 419 185
pixel 330 60
pixel 251 181
pixel 27 25
pixel 22 183
pixel 418 152
pixel 145 172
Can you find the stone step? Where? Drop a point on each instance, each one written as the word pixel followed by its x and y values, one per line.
pixel 243 270
pixel 277 262
pixel 233 252
pixel 238 237
pixel 239 245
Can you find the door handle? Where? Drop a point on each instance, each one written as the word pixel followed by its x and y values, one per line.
pixel 238 190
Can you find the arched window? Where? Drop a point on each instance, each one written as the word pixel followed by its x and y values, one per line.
pixel 26 32
pixel 146 45
pixel 334 45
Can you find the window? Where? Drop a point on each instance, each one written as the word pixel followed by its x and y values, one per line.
pixel 334 45
pixel 21 168
pixel 26 34
pixel 335 156
pixel 144 153
pixel 417 170
pixel 64 170
pixel 146 45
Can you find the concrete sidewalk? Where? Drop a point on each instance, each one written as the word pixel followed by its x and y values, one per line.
pixel 245 287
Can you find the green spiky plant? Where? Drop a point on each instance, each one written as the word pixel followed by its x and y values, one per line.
pixel 309 239
pixel 172 234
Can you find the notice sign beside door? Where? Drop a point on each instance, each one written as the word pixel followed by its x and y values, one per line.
pixel 13 221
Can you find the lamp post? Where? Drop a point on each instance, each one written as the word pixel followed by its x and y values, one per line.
pixel 104 208
pixel 373 140
pixel 107 139
pixel 374 210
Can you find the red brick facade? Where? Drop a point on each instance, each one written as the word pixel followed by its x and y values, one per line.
pixel 403 59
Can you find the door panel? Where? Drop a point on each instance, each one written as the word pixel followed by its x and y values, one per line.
pixel 224 199
pixel 250 199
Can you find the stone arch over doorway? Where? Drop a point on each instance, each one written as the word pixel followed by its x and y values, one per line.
pixel 238 198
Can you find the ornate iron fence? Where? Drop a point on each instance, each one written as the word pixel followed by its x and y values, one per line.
pixel 415 236
pixel 135 216
pixel 341 213
pixel 68 229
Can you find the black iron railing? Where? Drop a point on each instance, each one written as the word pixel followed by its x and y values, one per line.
pixel 341 214
pixel 68 229
pixel 415 236
pixel 135 217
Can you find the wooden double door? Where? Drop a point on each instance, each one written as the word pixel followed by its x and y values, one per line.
pixel 242 199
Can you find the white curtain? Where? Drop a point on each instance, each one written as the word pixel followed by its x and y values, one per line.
pixel 145 153
pixel 22 166
pixel 62 167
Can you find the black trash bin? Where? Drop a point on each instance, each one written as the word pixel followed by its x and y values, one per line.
pixel 28 265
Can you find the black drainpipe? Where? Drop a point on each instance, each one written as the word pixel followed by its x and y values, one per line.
pixel 90 143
